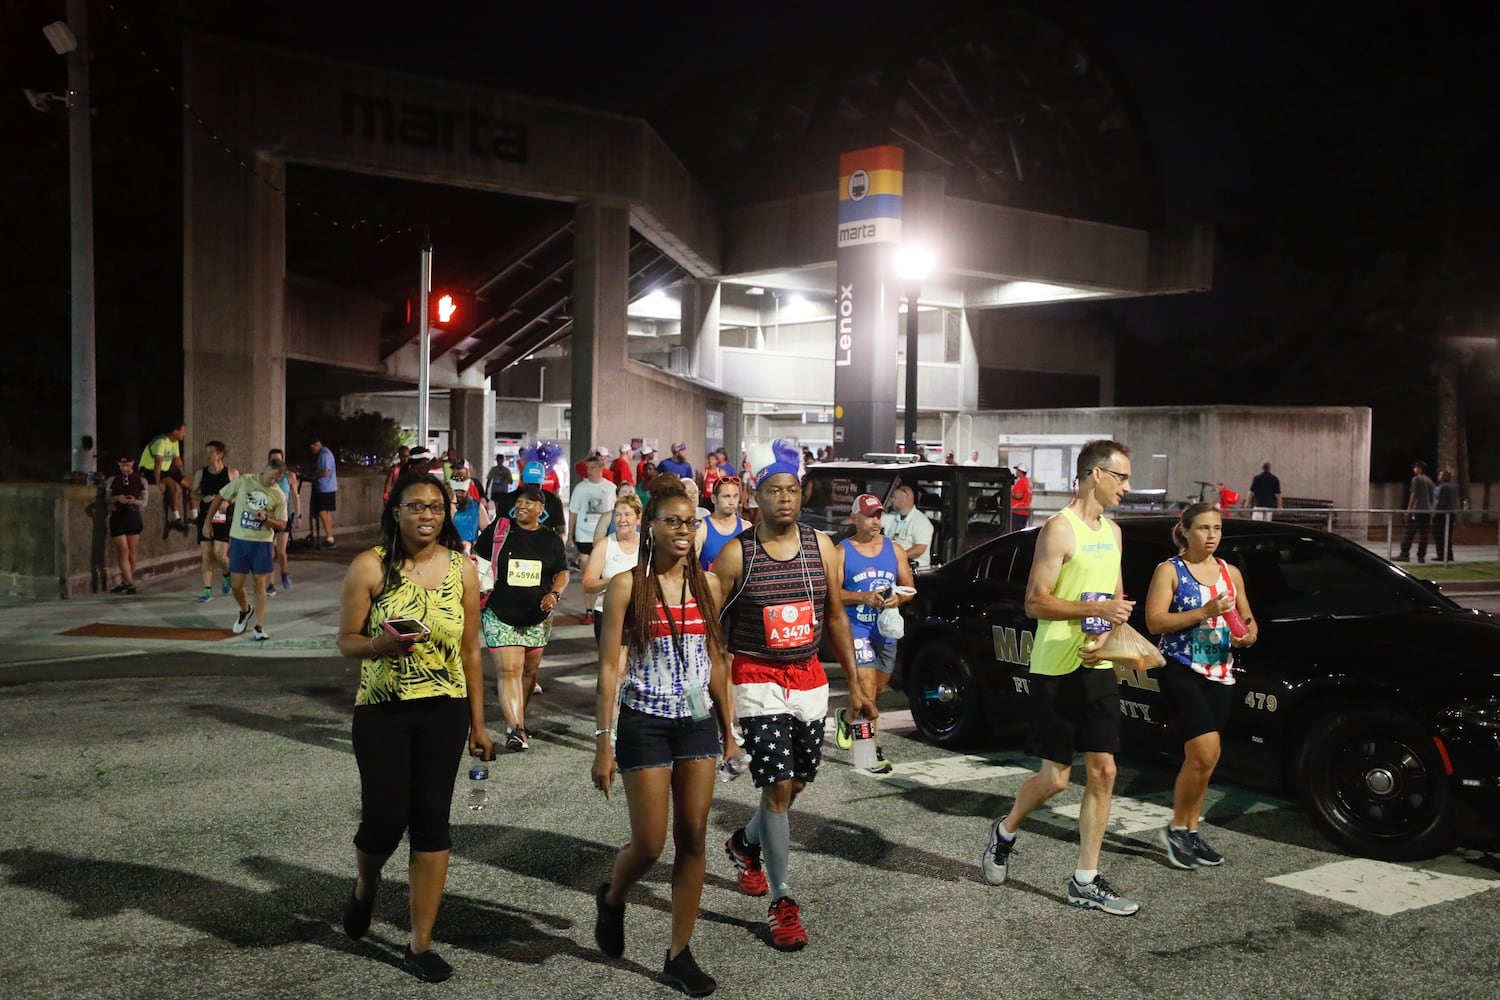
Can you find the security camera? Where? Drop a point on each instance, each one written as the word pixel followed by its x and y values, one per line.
pixel 40 100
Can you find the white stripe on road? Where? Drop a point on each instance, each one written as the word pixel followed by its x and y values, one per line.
pixel 1149 813
pixel 1382 887
pixel 944 771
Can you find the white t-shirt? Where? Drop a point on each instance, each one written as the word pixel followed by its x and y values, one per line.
pixel 616 560
pixel 590 500
pixel 911 528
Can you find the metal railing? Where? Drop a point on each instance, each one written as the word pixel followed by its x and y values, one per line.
pixel 1383 530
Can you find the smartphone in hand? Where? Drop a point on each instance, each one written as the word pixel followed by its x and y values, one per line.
pixel 406 630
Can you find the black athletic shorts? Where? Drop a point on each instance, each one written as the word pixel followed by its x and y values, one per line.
pixel 1074 713
pixel 584 548
pixel 325 501
pixel 217 532
pixel 124 521
pixel 1198 705
pixel 150 475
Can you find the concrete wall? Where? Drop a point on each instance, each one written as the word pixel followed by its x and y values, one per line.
pixel 1005 338
pixel 1318 452
pixel 57 546
pixel 331 325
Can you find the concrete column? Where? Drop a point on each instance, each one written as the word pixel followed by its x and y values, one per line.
pixel 471 426
pixel 700 330
pixel 601 275
pixel 233 305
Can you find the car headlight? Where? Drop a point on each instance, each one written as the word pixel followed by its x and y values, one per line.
pixel 1482 712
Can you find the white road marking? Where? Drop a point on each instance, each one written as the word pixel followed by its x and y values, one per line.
pixel 1382 887
pixel 945 771
pixel 1149 813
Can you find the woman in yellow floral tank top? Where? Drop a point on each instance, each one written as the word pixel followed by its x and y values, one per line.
pixel 418 702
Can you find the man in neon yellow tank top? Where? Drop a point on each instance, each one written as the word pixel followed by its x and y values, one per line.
pixel 1075 584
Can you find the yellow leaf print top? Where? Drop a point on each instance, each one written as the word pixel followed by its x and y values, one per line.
pixel 435 668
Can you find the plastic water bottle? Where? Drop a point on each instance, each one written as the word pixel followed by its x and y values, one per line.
pixel 734 767
pixel 479 784
pixel 1236 624
pixel 863 732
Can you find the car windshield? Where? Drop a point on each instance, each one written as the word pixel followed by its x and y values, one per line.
pixel 1310 576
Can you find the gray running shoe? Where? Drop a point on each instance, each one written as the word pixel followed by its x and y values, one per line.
pixel 241 618
pixel 996 856
pixel 1100 895
pixel 1206 855
pixel 1179 845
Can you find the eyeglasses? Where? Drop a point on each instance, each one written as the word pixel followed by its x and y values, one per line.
pixel 417 508
pixel 1123 477
pixel 677 523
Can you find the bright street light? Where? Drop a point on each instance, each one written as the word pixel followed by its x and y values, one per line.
pixel 914 263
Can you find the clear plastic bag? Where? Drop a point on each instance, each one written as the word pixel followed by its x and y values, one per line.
pixel 1126 648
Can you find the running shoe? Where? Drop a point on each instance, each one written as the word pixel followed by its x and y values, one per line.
pixel 206 596
pixel 1179 845
pixel 241 619
pixel 224 584
pixel 996 858
pixel 682 973
pixel 427 966
pixel 1206 855
pixel 259 634
pixel 536 688
pixel 1100 895
pixel 748 869
pixel 841 734
pixel 180 525
pixel 129 589
pixel 329 543
pixel 517 739
pixel 286 582
pixel 609 924
pixel 785 922
pixel 270 589
pixel 119 588
pixel 881 765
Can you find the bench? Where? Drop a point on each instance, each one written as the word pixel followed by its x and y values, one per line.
pixel 1308 514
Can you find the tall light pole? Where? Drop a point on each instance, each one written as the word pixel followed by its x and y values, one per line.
pixel 424 344
pixel 71 39
pixel 913 264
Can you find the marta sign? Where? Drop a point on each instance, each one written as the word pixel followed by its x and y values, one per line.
pixel 864 374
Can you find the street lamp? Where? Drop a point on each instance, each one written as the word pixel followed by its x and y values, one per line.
pixel 913 263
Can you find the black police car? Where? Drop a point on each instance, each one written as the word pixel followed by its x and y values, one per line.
pixel 1369 694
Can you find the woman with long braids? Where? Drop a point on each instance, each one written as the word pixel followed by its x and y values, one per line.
pixel 675 680
pixel 419 701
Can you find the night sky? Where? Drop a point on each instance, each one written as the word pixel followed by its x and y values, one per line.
pixel 1344 155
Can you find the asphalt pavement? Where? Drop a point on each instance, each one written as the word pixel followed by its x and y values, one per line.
pixel 178 816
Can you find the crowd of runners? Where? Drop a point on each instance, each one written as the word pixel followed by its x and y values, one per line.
pixel 709 624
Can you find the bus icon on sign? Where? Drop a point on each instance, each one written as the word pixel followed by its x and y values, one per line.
pixel 859 185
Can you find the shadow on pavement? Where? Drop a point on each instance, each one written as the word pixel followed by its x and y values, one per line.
pixel 852 842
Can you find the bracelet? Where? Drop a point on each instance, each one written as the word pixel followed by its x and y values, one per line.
pixel 600 732
pixel 373 651
pixel 557 594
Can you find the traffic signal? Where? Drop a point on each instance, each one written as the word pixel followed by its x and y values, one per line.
pixel 446 307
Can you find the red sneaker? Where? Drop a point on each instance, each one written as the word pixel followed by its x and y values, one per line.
pixel 747 867
pixel 787 932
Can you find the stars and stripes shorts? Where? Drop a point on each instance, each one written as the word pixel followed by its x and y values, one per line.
pixel 782 748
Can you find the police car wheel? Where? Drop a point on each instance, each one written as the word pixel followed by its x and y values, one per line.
pixel 946 703
pixel 1373 782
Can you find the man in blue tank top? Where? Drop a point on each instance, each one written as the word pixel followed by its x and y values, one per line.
pixel 724 523
pixel 874 566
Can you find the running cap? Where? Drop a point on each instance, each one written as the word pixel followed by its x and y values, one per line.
pixel 533 473
pixel 679 446
pixel 868 504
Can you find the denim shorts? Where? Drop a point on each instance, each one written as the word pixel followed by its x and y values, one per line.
pixel 643 741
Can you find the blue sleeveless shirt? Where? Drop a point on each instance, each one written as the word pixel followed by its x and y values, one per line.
pixel 862 572
pixel 713 541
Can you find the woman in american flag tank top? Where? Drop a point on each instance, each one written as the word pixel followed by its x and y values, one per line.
pixel 1197 604
pixel 675 718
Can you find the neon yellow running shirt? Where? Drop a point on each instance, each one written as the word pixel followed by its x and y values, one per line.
pixel 1093 568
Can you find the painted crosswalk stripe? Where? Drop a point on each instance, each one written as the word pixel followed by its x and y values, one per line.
pixel 945 771
pixel 1130 816
pixel 1382 887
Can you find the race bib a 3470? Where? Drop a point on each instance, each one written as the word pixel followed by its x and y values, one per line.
pixel 789 626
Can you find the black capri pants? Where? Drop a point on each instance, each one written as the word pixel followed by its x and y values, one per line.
pixel 408 753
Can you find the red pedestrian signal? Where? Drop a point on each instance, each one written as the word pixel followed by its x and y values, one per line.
pixel 446 308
